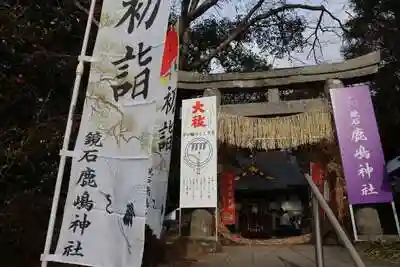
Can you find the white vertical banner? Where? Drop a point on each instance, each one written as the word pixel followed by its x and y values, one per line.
pixel 163 134
pixel 105 210
pixel 198 179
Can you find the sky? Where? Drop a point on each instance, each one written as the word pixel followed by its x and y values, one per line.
pixel 331 43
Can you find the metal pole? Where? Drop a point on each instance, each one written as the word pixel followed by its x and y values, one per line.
pixel 353 223
pixel 67 135
pixel 216 224
pixel 319 257
pixel 180 222
pixel 396 218
pixel 335 224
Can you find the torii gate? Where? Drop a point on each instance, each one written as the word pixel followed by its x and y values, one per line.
pixel 318 79
pixel 352 71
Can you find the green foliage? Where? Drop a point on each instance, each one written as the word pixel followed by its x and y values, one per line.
pixel 275 37
pixel 280 35
pixel 35 88
pixel 376 25
pixel 208 34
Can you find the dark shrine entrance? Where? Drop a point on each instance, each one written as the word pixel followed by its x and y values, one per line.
pixel 259 214
pixel 271 196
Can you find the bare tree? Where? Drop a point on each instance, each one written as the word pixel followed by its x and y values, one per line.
pixel 274 25
pixel 260 14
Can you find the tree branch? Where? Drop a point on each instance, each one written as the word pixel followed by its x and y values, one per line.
pixel 82 8
pixel 184 38
pixel 316 39
pixel 246 23
pixel 200 10
pixel 185 7
pixel 232 36
pixel 193 5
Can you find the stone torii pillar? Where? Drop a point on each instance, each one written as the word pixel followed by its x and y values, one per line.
pixel 217 93
pixel 213 92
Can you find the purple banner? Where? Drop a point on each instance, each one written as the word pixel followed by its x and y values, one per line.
pixel 360 146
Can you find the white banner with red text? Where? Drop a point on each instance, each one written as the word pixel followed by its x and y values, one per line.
pixel 198 179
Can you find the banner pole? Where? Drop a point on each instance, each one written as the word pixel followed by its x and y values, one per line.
pixel 180 222
pixel 335 223
pixel 353 223
pixel 396 218
pixel 67 136
pixel 319 256
pixel 216 224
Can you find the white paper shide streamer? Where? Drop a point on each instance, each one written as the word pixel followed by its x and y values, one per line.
pixel 105 211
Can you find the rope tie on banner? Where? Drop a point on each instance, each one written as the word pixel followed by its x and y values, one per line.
pixel 90 59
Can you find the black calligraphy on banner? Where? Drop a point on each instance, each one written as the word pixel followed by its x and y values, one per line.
pixel 87 178
pixel 150 201
pixel 137 11
pixel 80 224
pixel 89 155
pixel 74 248
pixel 93 139
pixel 169 101
pixel 165 136
pixel 141 80
pixel 83 202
